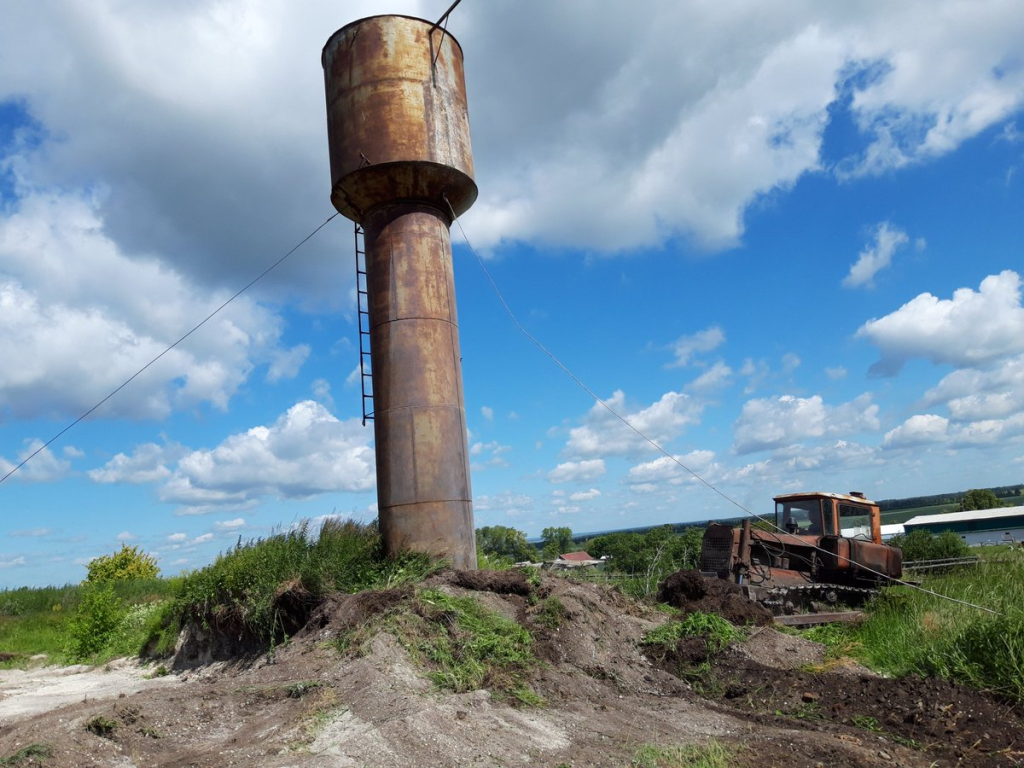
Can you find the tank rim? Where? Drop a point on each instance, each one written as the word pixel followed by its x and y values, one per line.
pixel 323 51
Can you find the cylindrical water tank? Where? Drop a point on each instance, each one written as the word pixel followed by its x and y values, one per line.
pixel 396 116
pixel 400 155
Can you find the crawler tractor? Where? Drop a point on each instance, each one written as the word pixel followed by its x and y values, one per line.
pixel 806 564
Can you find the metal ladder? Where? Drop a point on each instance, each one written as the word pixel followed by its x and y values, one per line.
pixel 363 320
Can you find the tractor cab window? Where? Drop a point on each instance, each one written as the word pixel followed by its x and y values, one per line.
pixel 856 521
pixel 802 517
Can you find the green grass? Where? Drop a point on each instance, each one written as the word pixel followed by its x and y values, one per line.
pixel 33 754
pixel 713 628
pixel 248 587
pixel 39 621
pixel 712 754
pixel 908 632
pixel 464 646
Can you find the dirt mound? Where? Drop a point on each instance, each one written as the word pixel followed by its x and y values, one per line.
pixel 309 704
pixel 690 592
pixel 956 724
pixel 510 582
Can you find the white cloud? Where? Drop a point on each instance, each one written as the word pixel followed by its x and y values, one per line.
pixel 504 500
pixel 75 307
pixel 714 379
pixel 12 563
pixel 922 429
pixel 665 469
pixel 321 389
pixel 971 329
pixel 285 363
pixel 148 464
pixel 837 373
pixel 44 467
pixel 202 538
pixel 602 434
pixel 306 452
pixel 126 536
pixel 775 423
pixel 177 538
pixel 577 471
pixel 876 256
pixel 493 450
pixel 230 525
pixel 686 347
pixel 487 412
pixel 31 533
pixel 590 495
pixel 680 129
pixel 973 395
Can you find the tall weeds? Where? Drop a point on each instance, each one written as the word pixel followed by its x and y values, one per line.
pixel 248 584
pixel 912 632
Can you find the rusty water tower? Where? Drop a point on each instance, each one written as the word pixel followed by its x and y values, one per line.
pixel 401 163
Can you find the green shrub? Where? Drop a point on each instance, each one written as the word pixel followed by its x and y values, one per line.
pixel 924 545
pixel 126 564
pixel 99 614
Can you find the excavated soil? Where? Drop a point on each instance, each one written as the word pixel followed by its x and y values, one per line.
pixel 606 694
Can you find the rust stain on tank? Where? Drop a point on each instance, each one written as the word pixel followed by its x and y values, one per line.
pixel 400 154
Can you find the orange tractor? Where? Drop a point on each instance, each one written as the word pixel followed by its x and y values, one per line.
pixel 806 564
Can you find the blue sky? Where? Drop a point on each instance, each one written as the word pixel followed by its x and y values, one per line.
pixel 787 242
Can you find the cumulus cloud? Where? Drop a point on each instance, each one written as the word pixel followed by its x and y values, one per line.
pixel 714 379
pixel 771 423
pixel 602 434
pixel 511 502
pixel 12 562
pixel 230 525
pixel 126 536
pixel 487 412
pixel 876 256
pixel 664 147
pixel 77 308
pixel 589 495
pixel 707 340
pixel 665 469
pixel 148 464
pixel 973 395
pixel 972 329
pixel 489 454
pixel 306 452
pixel 44 467
pixel 577 471
pixel 922 429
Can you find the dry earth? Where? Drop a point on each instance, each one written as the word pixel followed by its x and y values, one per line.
pixel 310 705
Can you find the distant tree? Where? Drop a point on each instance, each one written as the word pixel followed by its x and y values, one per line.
pixel 127 563
pixel 979 498
pixel 502 541
pixel 650 556
pixel 555 542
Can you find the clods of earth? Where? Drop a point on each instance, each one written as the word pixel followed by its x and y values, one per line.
pixel 351 688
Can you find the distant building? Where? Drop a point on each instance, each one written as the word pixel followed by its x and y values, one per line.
pixel 864 531
pixel 575 560
pixel 576 557
pixel 982 526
